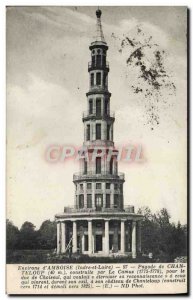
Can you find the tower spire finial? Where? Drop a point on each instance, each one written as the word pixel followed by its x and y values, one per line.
pixel 98 13
pixel 99 36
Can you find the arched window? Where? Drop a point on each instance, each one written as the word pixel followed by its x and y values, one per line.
pixel 104 79
pixel 81 201
pixel 88 132
pixel 98 201
pixel 116 201
pixel 89 200
pixel 93 60
pixel 108 185
pixel 98 78
pixel 92 79
pixel 98 185
pixel 98 58
pixel 108 132
pixel 98 106
pixel 90 106
pixel 104 60
pixel 98 165
pixel 89 185
pixel 111 165
pixel 85 166
pixel 98 131
pixel 108 204
pixel 106 106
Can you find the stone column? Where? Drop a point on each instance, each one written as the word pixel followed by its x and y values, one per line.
pixel 106 250
pixel 63 237
pixel 74 237
pixel 129 237
pixel 115 238
pixel 81 245
pixel 139 236
pixel 94 78
pixel 90 250
pixel 122 236
pixel 83 239
pixel 133 247
pixel 58 238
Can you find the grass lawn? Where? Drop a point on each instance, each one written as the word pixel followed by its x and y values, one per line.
pixel 49 257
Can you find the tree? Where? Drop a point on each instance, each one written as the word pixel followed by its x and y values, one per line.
pixel 149 231
pixel 146 212
pixel 163 218
pixel 12 235
pixel 47 235
pixel 159 236
pixel 179 240
pixel 28 236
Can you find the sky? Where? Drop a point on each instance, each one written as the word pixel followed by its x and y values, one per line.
pixel 47 80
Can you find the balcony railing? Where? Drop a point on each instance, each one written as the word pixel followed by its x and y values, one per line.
pixel 129 208
pixel 99 191
pixel 73 209
pixel 87 114
pixel 98 88
pixel 79 176
pixel 95 65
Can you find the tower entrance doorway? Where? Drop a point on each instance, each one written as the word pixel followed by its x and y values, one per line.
pixel 98 243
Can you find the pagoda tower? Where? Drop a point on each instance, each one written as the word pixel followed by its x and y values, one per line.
pixel 99 223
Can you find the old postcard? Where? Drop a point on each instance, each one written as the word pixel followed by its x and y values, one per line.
pixel 96 150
